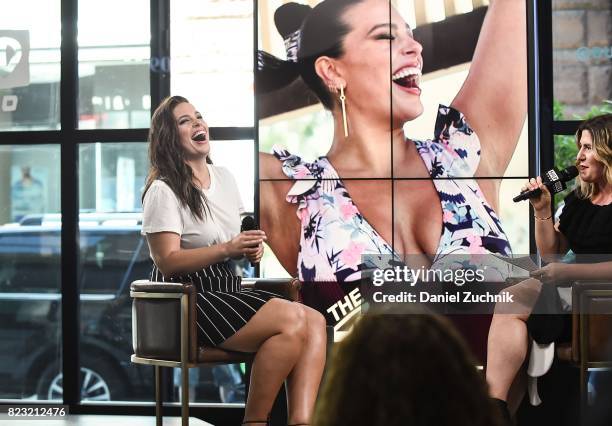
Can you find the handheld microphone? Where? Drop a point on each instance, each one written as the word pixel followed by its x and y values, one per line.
pixel 248 224
pixel 553 179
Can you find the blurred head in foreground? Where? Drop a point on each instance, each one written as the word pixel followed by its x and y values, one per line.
pixel 409 369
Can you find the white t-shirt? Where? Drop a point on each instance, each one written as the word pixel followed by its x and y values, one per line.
pixel 163 212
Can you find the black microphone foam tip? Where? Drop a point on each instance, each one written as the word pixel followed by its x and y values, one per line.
pixel 572 172
pixel 248 224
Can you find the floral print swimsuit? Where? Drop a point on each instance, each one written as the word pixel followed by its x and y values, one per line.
pixel 335 235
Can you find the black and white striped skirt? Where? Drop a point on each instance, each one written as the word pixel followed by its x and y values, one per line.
pixel 222 306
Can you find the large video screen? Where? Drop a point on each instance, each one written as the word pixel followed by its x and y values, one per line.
pixel 388 129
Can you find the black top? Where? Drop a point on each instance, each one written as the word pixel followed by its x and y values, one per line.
pixel 587 227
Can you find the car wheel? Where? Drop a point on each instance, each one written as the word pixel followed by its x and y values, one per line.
pixel 100 383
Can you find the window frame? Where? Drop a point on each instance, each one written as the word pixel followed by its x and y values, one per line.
pixel 547 127
pixel 69 137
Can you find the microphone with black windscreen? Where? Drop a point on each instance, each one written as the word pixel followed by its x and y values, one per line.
pixel 248 224
pixel 554 180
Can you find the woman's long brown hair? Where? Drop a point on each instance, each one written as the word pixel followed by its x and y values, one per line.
pixel 167 161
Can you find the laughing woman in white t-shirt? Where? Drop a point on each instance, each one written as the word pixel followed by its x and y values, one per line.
pixel 192 225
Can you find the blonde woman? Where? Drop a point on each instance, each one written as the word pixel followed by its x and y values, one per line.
pixel 585 228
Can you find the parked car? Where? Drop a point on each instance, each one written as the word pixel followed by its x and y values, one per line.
pixel 112 255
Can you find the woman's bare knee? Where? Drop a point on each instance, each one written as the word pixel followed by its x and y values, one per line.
pixel 276 316
pixel 294 321
pixel 316 321
pixel 503 318
pixel 288 318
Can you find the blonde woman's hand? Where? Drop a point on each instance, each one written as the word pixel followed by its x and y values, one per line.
pixel 553 272
pixel 245 243
pixel 541 203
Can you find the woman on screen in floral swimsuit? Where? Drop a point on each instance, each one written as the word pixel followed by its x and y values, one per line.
pixel 376 191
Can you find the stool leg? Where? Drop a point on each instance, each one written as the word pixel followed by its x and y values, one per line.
pixel 584 392
pixel 158 396
pixel 185 396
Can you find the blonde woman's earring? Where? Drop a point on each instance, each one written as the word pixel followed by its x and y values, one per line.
pixel 343 104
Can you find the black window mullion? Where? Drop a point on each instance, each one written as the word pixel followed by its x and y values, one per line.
pixel 160 51
pixel 255 135
pixel 232 133
pixel 112 135
pixel 533 88
pixel 29 137
pixel 69 203
pixel 545 77
pixel 540 98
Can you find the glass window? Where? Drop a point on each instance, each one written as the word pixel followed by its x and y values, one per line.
pixel 112 255
pixel 30 280
pixel 114 53
pixel 31 176
pixel 223 383
pixel 30 66
pixel 112 176
pixel 29 258
pixel 212 58
pixel 582 69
